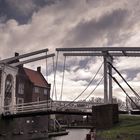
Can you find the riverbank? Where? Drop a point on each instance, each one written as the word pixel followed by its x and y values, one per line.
pixel 74 134
pixel 77 127
pixel 55 134
pixel 128 128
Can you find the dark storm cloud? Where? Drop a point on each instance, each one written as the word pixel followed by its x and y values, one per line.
pixel 108 25
pixel 11 11
pixel 21 10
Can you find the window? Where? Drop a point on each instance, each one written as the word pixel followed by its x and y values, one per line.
pixel 21 88
pixel 36 89
pixel 8 84
pixel 38 99
pixel 20 100
pixel 45 91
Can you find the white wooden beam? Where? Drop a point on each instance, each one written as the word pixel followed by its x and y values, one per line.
pixel 32 60
pixel 8 60
pixel 100 49
pixel 115 54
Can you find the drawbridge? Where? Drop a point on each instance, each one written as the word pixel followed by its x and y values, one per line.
pixel 8 68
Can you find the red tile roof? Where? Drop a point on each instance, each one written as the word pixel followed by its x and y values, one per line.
pixel 36 78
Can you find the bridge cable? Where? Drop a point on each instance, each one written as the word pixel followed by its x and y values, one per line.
pixel 55 69
pixel 85 88
pixel 123 90
pixel 46 68
pixel 62 85
pixel 136 94
pixel 53 78
pixel 94 88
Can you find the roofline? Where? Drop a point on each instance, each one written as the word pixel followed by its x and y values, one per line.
pixel 41 76
pixel 41 86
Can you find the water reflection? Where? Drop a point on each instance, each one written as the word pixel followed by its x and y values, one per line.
pixel 74 134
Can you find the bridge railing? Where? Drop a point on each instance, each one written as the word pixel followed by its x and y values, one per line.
pixel 28 107
pixel 48 105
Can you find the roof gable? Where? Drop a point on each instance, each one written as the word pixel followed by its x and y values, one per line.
pixel 36 78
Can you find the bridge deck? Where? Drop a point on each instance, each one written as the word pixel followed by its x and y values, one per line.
pixel 47 112
pixel 48 108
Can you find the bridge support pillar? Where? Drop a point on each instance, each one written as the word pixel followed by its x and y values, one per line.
pixel 7 88
pixel 105 116
pixel 105 80
pixel 13 102
pixel 2 89
pixel 110 101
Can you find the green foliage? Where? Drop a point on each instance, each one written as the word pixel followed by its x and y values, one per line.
pixel 128 128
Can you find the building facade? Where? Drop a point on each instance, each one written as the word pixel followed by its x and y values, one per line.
pixel 31 86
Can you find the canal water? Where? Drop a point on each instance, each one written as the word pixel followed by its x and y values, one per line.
pixel 74 134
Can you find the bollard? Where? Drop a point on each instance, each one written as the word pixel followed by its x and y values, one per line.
pixel 91 135
pixel 88 137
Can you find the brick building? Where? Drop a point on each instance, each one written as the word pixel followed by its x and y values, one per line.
pixel 31 86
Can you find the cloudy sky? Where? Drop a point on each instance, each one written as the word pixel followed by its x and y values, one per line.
pixel 29 25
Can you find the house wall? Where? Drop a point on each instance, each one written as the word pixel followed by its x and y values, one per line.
pixel 28 86
pixel 41 94
pixel 29 93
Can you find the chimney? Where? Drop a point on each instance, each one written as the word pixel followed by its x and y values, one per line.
pixel 39 69
pixel 17 60
pixel 16 54
pixel 14 61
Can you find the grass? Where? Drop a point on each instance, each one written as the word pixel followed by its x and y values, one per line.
pixel 128 128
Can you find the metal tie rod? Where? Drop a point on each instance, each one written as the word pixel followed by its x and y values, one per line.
pixel 124 80
pixel 32 60
pixel 23 56
pixel 100 49
pixel 123 90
